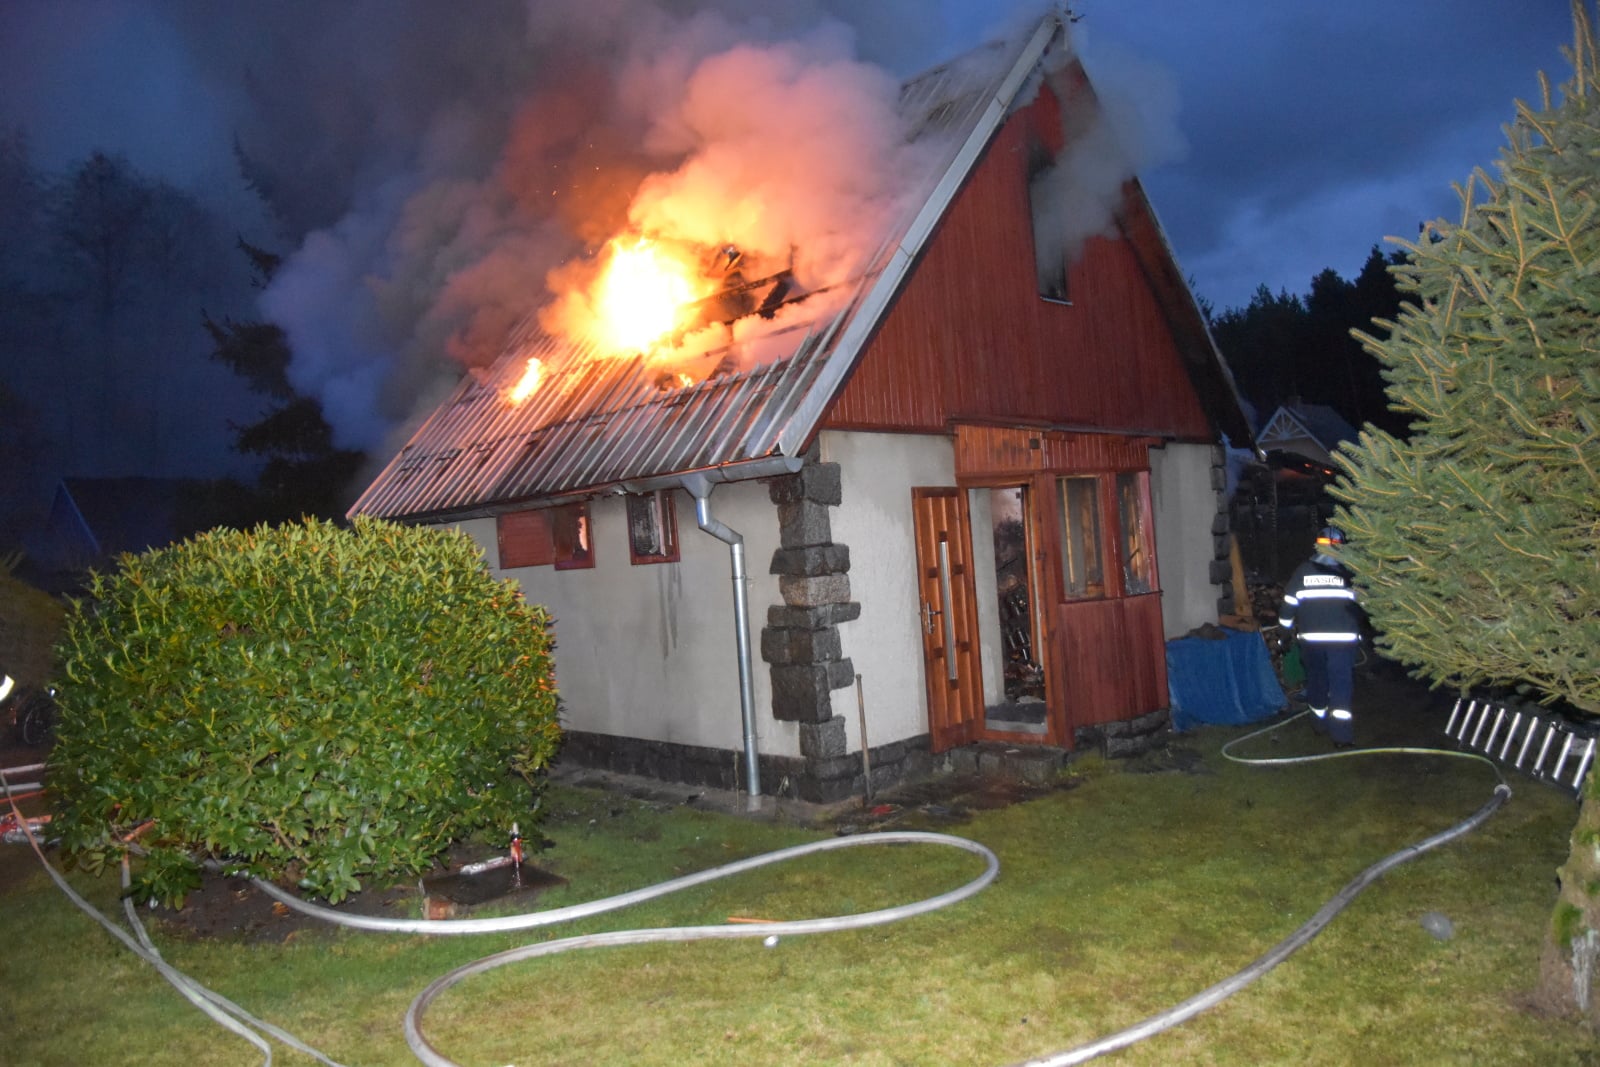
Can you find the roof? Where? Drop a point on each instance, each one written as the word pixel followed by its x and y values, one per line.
pixel 602 423
pixel 1299 421
pixel 94 518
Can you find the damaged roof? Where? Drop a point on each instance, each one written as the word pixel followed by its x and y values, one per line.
pixel 600 423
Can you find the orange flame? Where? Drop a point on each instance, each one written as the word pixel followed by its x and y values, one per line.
pixel 641 296
pixel 528 384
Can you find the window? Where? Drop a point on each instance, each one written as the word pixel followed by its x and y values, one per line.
pixel 1049 246
pixel 540 537
pixel 652 528
pixel 525 539
pixel 1082 558
pixel 1133 517
pixel 574 536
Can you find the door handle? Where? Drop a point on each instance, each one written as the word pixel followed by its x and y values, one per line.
pixel 944 604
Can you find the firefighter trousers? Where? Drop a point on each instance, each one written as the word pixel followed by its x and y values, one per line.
pixel 1330 685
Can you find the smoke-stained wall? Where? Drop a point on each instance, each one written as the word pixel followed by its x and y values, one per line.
pixel 1186 486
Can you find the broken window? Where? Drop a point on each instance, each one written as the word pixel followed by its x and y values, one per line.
pixel 1082 558
pixel 652 528
pixel 1133 515
pixel 525 539
pixel 1049 250
pixel 574 536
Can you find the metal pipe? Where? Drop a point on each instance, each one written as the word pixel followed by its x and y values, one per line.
pixel 1561 761
pixel 1544 747
pixel 866 760
pixel 948 612
pixel 1583 765
pixel 1488 744
pixel 1485 718
pixel 700 488
pixel 1527 740
pixel 1451 722
pixel 1511 735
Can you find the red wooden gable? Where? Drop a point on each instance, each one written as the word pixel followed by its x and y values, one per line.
pixel 970 339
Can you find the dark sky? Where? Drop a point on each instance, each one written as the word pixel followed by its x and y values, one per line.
pixel 1311 130
pixel 1276 139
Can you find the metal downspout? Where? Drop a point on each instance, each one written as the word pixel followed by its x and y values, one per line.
pixel 699 487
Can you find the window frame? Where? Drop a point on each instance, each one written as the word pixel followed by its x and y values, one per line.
pixel 661 504
pixel 1134 487
pixel 1116 548
pixel 1050 278
pixel 572 530
pixel 1095 584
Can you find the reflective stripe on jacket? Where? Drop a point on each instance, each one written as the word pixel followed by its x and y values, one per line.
pixel 1320 603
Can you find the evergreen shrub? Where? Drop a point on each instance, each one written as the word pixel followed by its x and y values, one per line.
pixel 302 702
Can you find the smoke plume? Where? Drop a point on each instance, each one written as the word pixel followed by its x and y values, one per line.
pixel 441 173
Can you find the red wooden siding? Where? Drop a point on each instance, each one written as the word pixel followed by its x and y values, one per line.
pixel 1104 662
pixel 970 338
pixel 984 451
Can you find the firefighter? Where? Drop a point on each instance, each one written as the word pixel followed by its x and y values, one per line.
pixel 1320 607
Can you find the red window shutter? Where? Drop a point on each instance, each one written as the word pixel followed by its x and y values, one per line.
pixel 526 539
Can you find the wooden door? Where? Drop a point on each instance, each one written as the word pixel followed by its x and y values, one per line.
pixel 947 606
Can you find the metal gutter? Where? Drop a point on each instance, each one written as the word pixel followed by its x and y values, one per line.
pixel 700 488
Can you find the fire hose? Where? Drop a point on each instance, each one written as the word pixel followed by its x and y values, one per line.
pixel 237 1020
pixel 1216 994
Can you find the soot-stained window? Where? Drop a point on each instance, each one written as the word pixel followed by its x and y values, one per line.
pixel 652 528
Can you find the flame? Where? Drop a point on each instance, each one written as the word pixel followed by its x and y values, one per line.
pixel 641 296
pixel 528 384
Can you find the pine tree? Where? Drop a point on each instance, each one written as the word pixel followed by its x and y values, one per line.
pixel 1477 540
pixel 304 473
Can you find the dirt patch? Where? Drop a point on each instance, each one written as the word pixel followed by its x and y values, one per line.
pixel 1168 759
pixel 944 801
pixel 236 909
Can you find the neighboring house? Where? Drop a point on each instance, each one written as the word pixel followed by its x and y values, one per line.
pixel 1313 431
pixel 972 512
pixel 92 520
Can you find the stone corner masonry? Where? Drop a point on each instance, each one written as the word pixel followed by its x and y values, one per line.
pixel 801 639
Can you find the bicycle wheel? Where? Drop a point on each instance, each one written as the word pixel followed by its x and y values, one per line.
pixel 36 720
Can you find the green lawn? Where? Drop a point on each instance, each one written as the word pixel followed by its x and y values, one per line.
pixel 1116 899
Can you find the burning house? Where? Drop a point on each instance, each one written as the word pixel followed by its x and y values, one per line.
pixel 964 473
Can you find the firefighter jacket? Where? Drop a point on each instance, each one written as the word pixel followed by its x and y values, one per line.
pixel 1319 603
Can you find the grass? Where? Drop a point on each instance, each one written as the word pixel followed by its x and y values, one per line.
pixel 1117 899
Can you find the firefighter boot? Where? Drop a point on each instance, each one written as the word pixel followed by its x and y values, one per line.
pixel 1342 728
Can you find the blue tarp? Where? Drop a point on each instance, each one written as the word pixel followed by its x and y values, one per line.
pixel 1221 681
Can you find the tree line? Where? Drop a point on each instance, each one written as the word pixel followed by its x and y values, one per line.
pixel 1284 347
pixel 131 346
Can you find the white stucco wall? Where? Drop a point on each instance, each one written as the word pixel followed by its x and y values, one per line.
pixel 649 651
pixel 1185 504
pixel 878 472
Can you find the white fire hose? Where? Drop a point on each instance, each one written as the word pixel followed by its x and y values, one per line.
pixel 236 1019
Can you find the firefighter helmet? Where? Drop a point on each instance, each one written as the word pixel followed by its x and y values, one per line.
pixel 1330 535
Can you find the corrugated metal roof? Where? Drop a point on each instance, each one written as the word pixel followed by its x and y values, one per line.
pixel 594 421
pixel 600 421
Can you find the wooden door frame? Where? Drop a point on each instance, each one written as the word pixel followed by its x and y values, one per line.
pixel 950 725
pixel 1044 582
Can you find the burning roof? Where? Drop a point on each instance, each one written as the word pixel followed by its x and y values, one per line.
pixel 707 358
